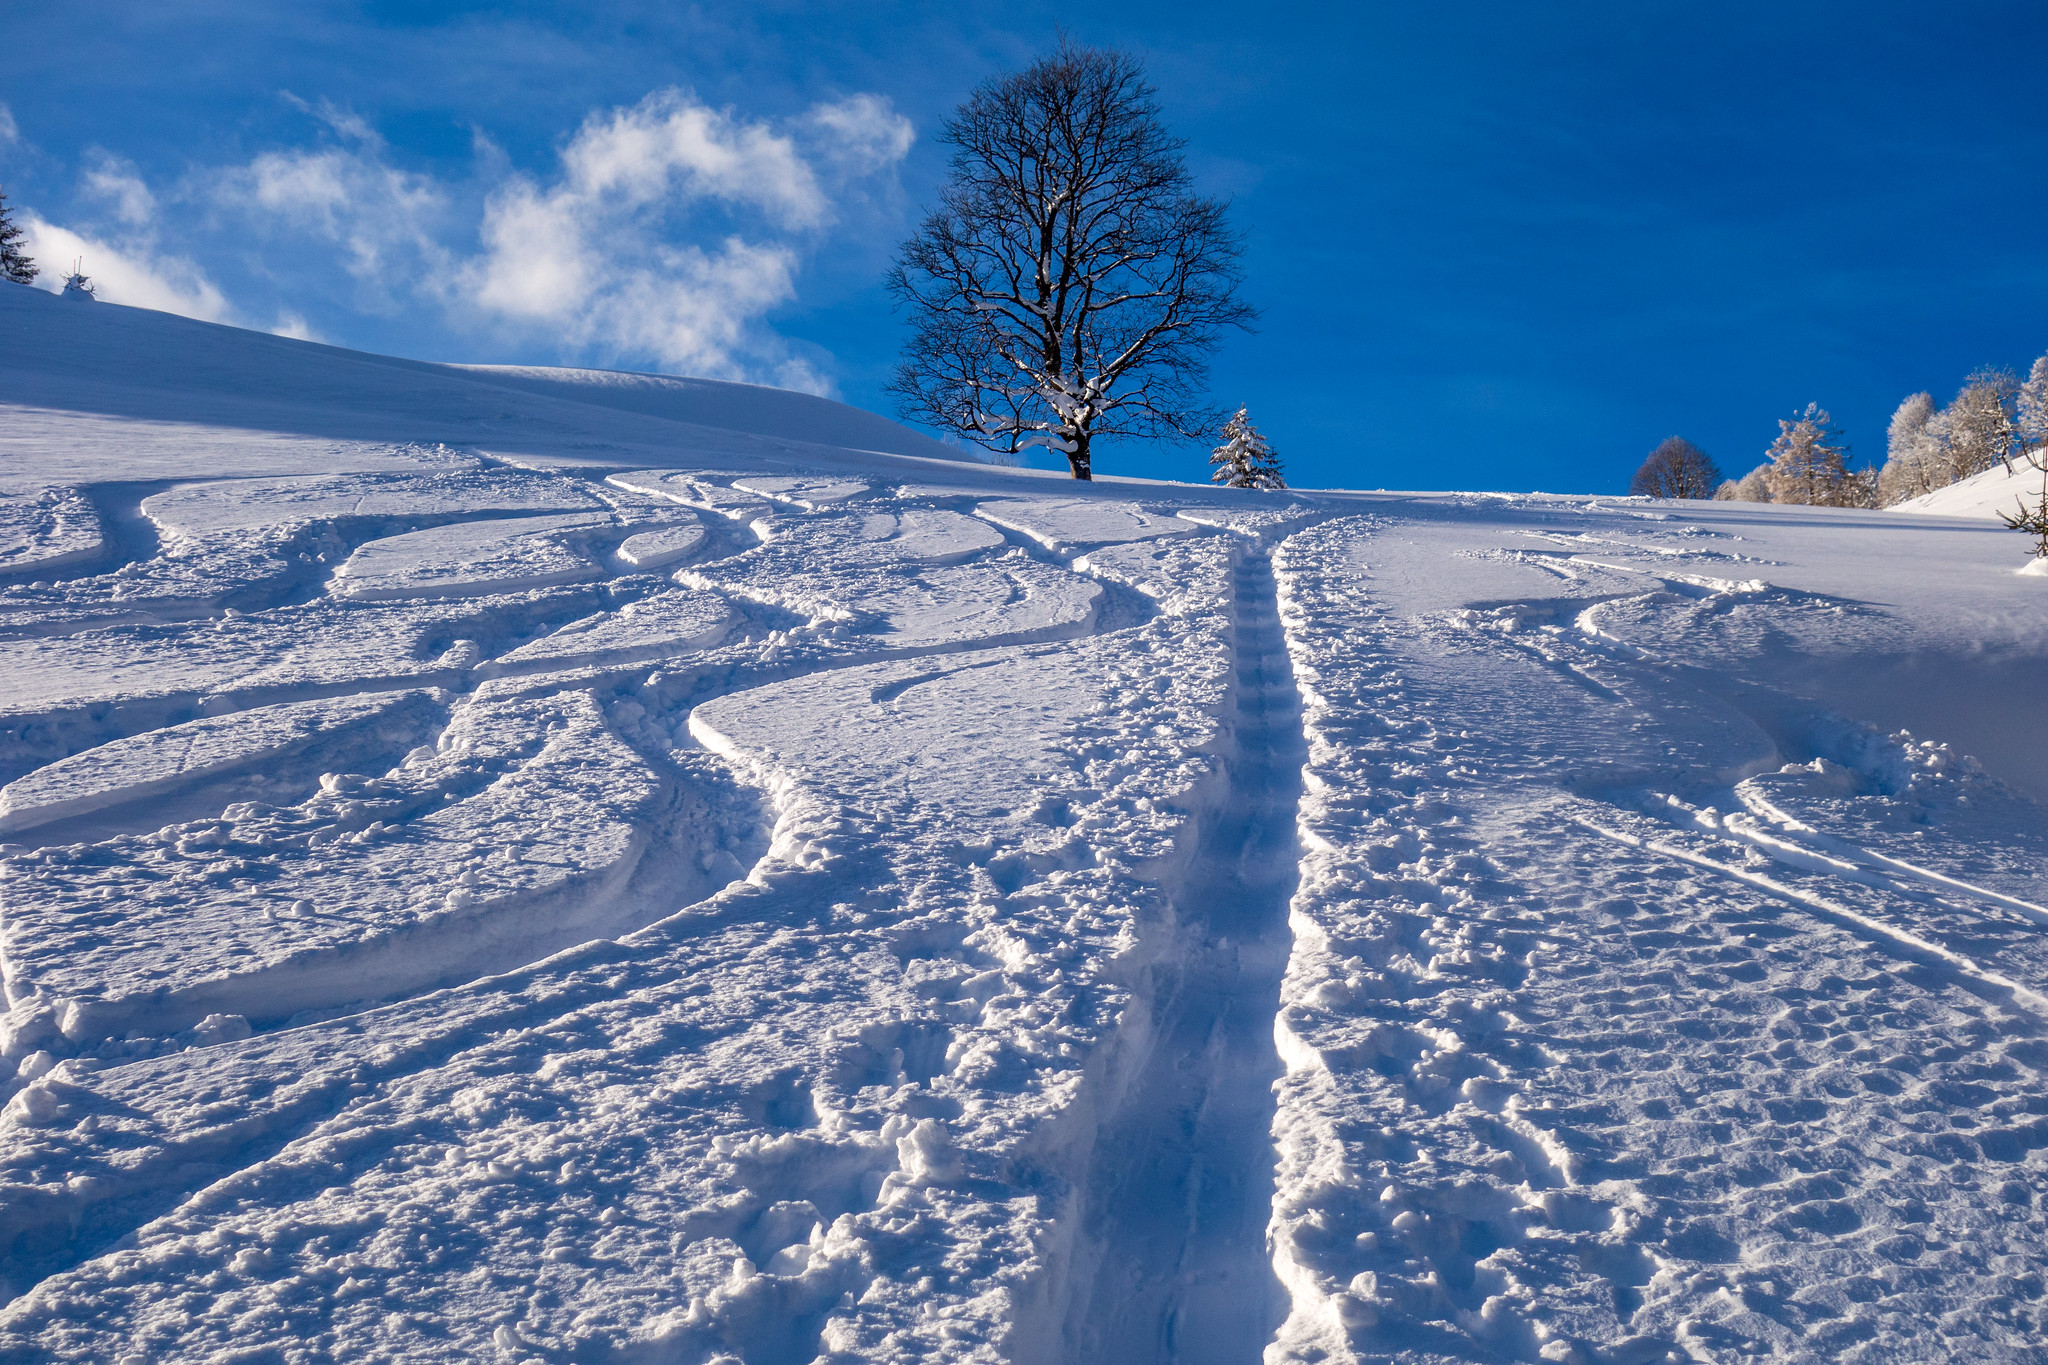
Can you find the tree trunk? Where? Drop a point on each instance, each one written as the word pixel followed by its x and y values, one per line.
pixel 1077 458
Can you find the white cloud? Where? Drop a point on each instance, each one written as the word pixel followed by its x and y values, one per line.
pixel 668 234
pixel 10 131
pixel 860 135
pixel 589 256
pixel 669 146
pixel 293 326
pixel 129 272
pixel 116 183
pixel 383 218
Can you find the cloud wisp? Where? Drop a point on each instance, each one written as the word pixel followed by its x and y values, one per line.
pixel 665 236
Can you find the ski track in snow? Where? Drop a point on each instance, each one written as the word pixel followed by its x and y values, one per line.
pixel 469 898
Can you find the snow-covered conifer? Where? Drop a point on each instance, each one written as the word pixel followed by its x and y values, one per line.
pixel 1807 466
pixel 13 265
pixel 1244 460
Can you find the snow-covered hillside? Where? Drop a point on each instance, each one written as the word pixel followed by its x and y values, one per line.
pixel 1995 490
pixel 556 866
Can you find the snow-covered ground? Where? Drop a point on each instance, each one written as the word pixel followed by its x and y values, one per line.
pixel 557 866
pixel 1987 494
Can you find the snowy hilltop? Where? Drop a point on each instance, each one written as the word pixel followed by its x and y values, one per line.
pixel 554 865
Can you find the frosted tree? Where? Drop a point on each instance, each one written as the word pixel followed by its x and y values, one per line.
pixel 13 265
pixel 2030 435
pixel 1071 283
pixel 1244 460
pixel 1676 469
pixel 1980 426
pixel 1916 461
pixel 2030 416
pixel 1751 487
pixel 1806 464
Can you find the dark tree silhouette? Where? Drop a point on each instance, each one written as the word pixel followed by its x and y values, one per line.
pixel 1070 284
pixel 1676 469
pixel 13 265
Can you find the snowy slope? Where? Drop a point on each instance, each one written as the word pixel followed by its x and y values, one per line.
pixel 1986 494
pixel 557 866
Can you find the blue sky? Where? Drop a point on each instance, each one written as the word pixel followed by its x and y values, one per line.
pixel 1496 245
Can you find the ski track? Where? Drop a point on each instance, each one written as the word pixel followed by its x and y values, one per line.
pixel 1174 1204
pixel 1568 1082
pixel 289 1103
pixel 1331 971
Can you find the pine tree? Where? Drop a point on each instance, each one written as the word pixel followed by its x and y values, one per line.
pixel 13 265
pixel 1806 467
pixel 1244 460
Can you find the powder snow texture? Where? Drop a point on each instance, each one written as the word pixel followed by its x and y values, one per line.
pixel 807 897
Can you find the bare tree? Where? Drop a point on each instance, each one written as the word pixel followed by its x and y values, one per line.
pixel 1915 461
pixel 2030 410
pixel 1980 428
pixel 1676 469
pixel 1071 283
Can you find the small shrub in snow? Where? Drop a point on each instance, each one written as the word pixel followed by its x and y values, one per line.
pixel 2033 520
pixel 1244 460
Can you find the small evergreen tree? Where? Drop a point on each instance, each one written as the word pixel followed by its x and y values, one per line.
pixel 78 285
pixel 13 265
pixel 1244 460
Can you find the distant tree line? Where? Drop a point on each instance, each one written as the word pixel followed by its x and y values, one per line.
pixel 1995 419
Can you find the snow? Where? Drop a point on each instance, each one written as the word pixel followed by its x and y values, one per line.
pixel 480 557
pixel 655 549
pixel 1984 494
pixel 552 865
pixel 48 528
